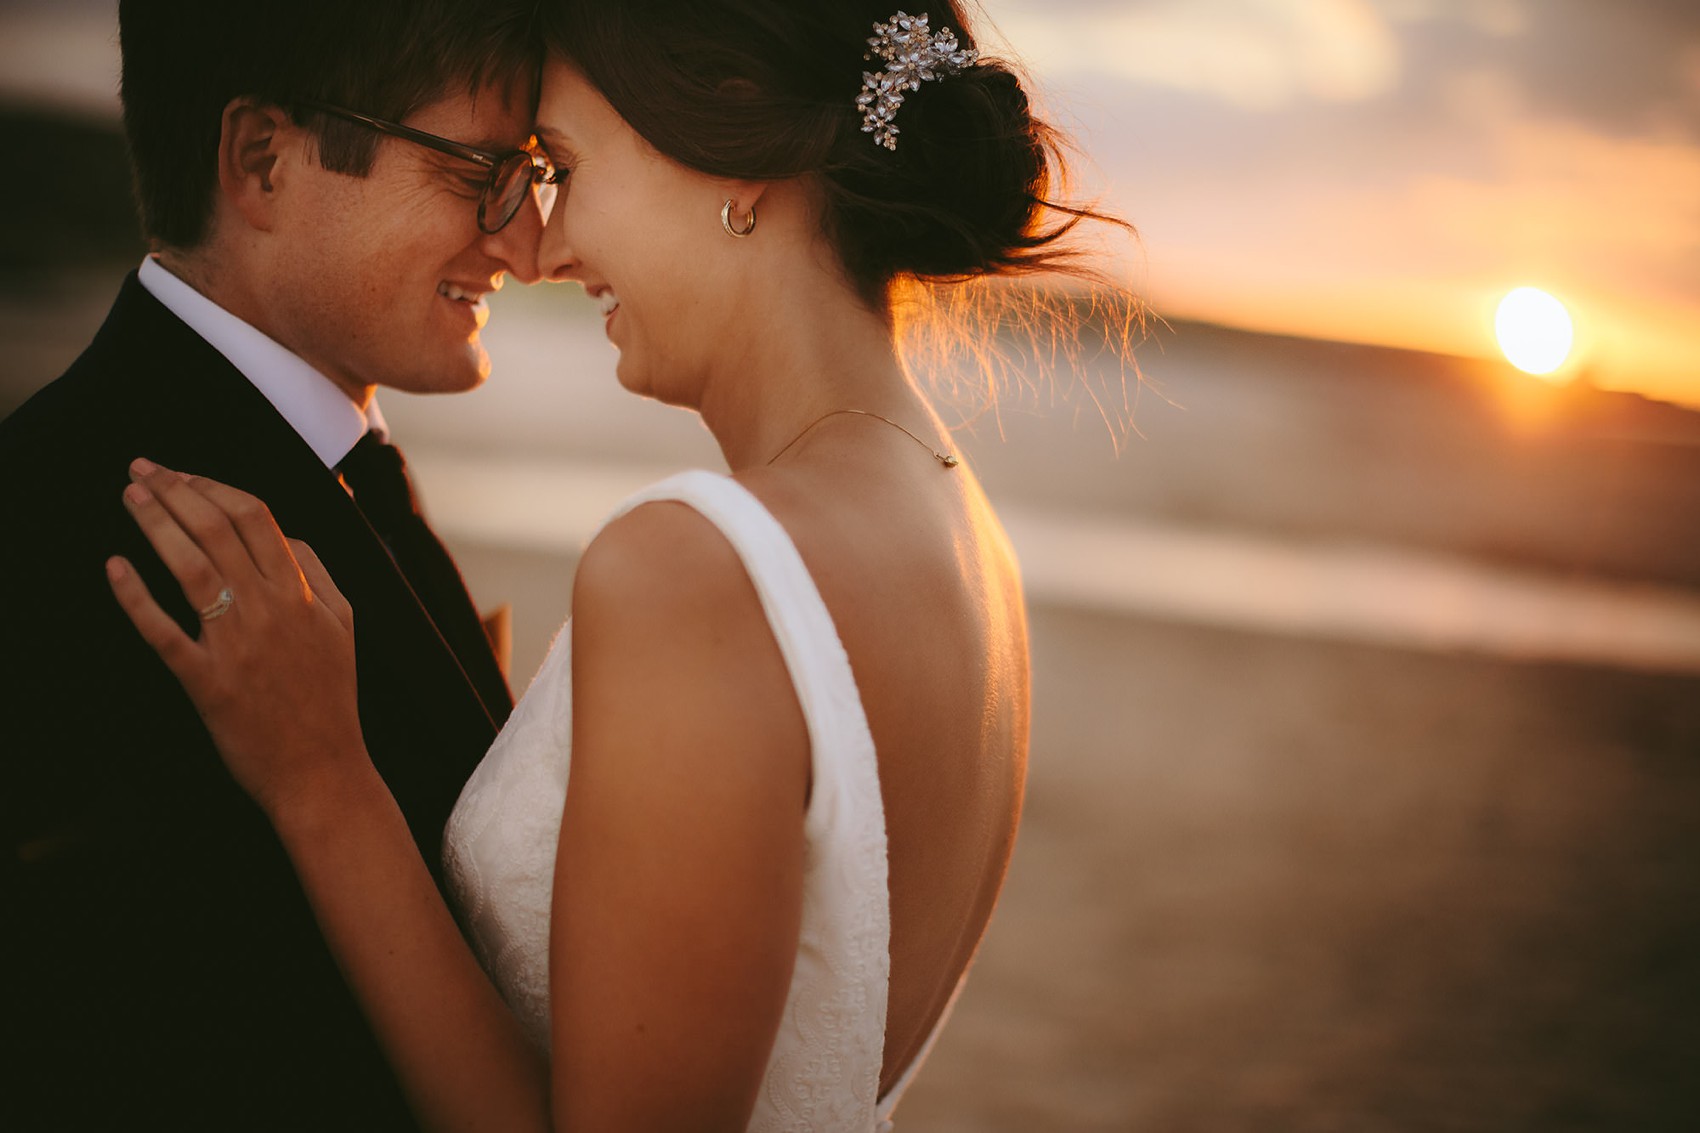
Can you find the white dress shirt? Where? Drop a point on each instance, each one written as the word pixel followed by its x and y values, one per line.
pixel 315 407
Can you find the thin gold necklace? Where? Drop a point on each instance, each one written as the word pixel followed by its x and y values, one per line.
pixel 943 458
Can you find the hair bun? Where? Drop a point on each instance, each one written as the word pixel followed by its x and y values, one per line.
pixel 962 193
pixel 977 155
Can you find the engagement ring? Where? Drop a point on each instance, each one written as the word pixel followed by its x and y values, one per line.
pixel 219 607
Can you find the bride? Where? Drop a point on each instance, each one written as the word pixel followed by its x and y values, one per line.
pixel 795 698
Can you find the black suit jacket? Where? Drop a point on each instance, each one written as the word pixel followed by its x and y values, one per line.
pixel 166 970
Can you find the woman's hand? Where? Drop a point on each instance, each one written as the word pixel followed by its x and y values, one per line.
pixel 272 673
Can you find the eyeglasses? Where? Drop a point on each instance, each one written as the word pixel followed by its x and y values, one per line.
pixel 512 174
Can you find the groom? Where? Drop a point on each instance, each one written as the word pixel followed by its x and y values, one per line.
pixel 165 971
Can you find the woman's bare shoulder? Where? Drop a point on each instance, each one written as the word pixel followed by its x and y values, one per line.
pixel 663 555
pixel 668 631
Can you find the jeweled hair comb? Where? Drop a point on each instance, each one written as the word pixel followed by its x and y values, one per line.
pixel 912 55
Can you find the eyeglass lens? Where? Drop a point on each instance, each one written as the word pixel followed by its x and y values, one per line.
pixel 509 184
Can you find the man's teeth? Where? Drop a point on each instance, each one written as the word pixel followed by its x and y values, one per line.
pixel 607 301
pixel 450 291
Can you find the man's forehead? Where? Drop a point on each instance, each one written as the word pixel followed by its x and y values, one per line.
pixel 495 115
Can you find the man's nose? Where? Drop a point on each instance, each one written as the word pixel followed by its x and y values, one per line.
pixel 516 244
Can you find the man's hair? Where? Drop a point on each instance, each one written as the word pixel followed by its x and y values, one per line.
pixel 185 60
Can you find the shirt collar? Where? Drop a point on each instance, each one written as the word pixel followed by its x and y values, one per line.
pixel 315 407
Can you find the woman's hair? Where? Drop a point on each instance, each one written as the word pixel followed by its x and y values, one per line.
pixel 766 90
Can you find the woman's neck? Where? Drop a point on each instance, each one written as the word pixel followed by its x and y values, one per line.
pixel 824 351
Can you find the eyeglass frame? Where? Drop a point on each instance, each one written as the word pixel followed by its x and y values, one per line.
pixel 543 170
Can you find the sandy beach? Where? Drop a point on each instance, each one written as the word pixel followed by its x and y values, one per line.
pixel 1267 884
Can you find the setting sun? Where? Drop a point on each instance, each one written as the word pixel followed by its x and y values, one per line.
pixel 1534 330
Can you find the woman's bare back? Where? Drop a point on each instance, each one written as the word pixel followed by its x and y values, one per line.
pixel 921 584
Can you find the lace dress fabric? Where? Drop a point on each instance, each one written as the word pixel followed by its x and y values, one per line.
pixel 501 840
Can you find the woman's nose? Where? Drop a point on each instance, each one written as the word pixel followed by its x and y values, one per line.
pixel 555 258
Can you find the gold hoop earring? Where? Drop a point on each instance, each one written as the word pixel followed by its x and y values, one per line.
pixel 726 220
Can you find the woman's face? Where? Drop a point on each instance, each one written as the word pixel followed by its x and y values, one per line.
pixel 642 234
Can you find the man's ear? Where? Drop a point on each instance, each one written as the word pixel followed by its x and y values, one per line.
pixel 250 143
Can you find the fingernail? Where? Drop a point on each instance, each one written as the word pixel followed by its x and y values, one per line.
pixel 141 466
pixel 115 568
pixel 136 494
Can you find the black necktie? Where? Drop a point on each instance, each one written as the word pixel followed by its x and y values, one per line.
pixel 377 475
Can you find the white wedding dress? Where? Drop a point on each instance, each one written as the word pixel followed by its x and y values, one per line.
pixel 499 848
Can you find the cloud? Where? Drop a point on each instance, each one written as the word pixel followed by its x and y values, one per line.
pixel 1617 213
pixel 1493 17
pixel 1626 67
pixel 1252 54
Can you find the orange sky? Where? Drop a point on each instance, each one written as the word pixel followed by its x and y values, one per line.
pixel 1385 170
pixel 1369 170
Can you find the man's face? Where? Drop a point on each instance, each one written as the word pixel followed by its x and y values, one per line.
pixel 380 281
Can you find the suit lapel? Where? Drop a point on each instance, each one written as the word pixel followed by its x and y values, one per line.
pixel 209 420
